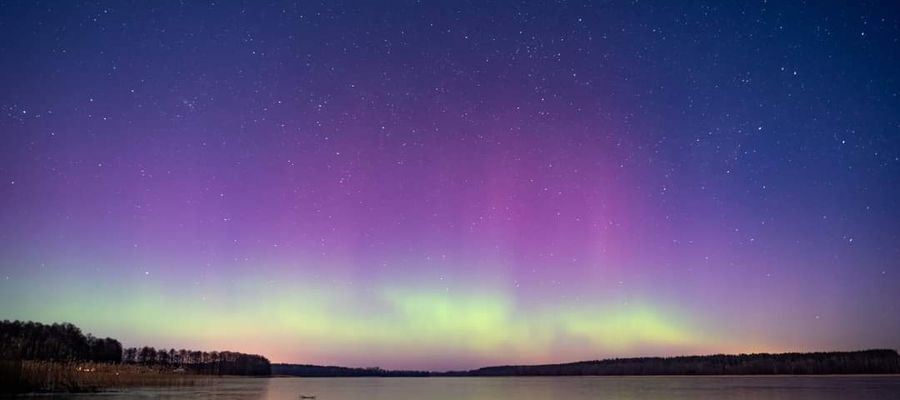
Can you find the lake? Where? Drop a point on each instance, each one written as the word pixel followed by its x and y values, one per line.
pixel 527 388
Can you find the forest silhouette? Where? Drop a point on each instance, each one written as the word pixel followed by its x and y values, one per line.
pixel 34 341
pixel 66 343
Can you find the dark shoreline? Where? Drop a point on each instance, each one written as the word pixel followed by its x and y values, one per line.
pixel 861 375
pixel 111 377
pixel 873 362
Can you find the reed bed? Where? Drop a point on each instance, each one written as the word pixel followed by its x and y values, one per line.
pixel 41 376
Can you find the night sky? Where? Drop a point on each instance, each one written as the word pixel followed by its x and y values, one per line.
pixel 444 185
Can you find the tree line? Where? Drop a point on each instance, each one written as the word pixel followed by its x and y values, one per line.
pixel 204 362
pixel 306 370
pixel 65 342
pixel 54 342
pixel 21 340
pixel 853 362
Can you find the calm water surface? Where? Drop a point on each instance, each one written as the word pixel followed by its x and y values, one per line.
pixel 621 388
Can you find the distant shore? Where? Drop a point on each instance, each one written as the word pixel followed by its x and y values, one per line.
pixel 878 361
pixel 58 376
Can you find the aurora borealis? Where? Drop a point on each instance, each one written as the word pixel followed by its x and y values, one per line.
pixel 444 185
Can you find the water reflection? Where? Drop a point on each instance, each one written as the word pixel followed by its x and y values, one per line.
pixel 569 388
pixel 228 388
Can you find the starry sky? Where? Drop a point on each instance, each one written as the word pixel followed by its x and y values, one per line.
pixel 451 184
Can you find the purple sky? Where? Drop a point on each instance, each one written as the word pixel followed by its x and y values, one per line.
pixel 442 185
